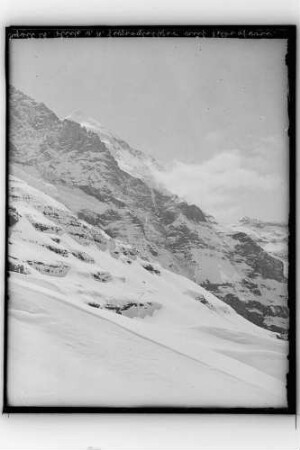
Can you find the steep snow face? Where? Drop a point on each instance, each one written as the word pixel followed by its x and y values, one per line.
pixel 92 322
pixel 75 166
pixel 130 160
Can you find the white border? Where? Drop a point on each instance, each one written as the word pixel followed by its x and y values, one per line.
pixel 140 432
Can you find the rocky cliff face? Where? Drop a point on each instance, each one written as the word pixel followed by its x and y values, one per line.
pixel 129 159
pixel 271 236
pixel 160 226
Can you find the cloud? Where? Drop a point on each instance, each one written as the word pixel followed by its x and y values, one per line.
pixel 221 184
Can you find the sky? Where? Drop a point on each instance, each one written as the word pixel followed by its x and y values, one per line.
pixel 214 111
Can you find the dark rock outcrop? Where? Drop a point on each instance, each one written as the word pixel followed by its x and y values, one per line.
pixel 15 265
pixel 259 260
pixel 103 277
pixel 13 216
pixel 56 270
pixel 82 256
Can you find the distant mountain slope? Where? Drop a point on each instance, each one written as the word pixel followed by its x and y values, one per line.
pixel 271 236
pixel 75 163
pixel 92 322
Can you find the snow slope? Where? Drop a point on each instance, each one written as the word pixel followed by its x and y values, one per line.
pixel 93 323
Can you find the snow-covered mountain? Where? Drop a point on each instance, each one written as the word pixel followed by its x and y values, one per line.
pixel 74 165
pixel 96 322
pixel 130 160
pixel 271 236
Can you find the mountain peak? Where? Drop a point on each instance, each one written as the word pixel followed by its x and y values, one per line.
pixel 77 115
pixel 245 220
pixel 130 160
pixel 83 119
